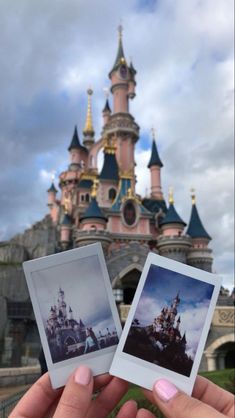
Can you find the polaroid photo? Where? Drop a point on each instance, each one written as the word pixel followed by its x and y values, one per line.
pixel 75 311
pixel 167 326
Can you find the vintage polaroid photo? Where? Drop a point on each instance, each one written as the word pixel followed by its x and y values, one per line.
pixel 168 323
pixel 75 310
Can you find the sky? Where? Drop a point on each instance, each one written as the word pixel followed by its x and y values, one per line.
pixel 160 289
pixel 51 52
pixel 84 289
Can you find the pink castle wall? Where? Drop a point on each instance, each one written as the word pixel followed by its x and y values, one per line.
pixel 156 190
pixel 115 225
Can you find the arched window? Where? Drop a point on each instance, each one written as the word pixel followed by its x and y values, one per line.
pixel 112 194
pixel 82 198
pixel 87 197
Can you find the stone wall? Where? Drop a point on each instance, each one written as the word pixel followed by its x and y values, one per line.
pixel 17 376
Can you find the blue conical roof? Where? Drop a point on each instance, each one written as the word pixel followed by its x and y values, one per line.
pixel 75 143
pixel 93 211
pixel 110 168
pixel 154 159
pixel 195 228
pixel 106 106
pixel 172 217
pixel 52 188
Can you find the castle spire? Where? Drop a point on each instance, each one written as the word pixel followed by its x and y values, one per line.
pixel 88 130
pixel 196 228
pixel 120 58
pixel 154 159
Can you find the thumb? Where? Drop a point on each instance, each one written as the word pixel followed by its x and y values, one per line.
pixel 176 404
pixel 76 397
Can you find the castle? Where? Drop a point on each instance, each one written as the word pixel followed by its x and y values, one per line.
pixel 103 206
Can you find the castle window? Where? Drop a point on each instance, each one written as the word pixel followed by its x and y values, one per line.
pixel 129 213
pixel 93 228
pixel 87 197
pixel 82 198
pixel 112 194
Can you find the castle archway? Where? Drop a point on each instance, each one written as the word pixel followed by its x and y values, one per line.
pixel 220 354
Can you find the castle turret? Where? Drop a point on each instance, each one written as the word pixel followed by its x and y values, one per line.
pixel 121 125
pixel 200 255
pixel 172 224
pixel 88 131
pixel 65 231
pixel 109 175
pixel 155 166
pixel 52 194
pixel 93 224
pixel 106 112
pixel 78 153
pixel 172 243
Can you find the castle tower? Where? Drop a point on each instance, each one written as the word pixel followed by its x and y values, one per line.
pixel 106 112
pixel 52 191
pixel 109 176
pixel 93 224
pixel 155 166
pixel 62 304
pixel 121 126
pixel 88 131
pixel 200 255
pixel 65 232
pixel 172 243
pixel 78 153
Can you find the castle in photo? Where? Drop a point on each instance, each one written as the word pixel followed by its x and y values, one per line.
pixel 102 205
pixel 161 343
pixel 67 336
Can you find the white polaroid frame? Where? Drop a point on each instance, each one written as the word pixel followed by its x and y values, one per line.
pixel 144 373
pixel 99 361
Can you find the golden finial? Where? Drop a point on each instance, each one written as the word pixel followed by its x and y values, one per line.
pixel 193 196
pixel 88 125
pixel 94 188
pixel 171 196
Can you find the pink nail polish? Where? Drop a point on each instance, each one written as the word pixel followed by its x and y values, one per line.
pixel 82 375
pixel 165 390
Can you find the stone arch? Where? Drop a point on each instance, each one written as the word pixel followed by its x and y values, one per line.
pixel 229 338
pixel 215 356
pixel 125 266
pixel 125 271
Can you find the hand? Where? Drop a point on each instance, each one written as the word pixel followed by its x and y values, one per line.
pixel 75 400
pixel 208 401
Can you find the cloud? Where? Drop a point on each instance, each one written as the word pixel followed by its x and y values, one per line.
pixel 183 52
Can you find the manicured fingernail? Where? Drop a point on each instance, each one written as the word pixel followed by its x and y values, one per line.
pixel 165 390
pixel 82 375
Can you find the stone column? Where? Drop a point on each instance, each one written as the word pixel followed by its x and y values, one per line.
pixel 211 361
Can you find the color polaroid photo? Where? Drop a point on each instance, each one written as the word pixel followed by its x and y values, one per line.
pixel 167 326
pixel 75 311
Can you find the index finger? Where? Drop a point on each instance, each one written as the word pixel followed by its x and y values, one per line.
pixel 37 399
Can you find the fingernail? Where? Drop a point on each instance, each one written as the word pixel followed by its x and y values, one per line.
pixel 165 390
pixel 82 375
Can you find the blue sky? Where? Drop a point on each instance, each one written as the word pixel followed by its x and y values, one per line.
pixel 161 287
pixel 183 54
